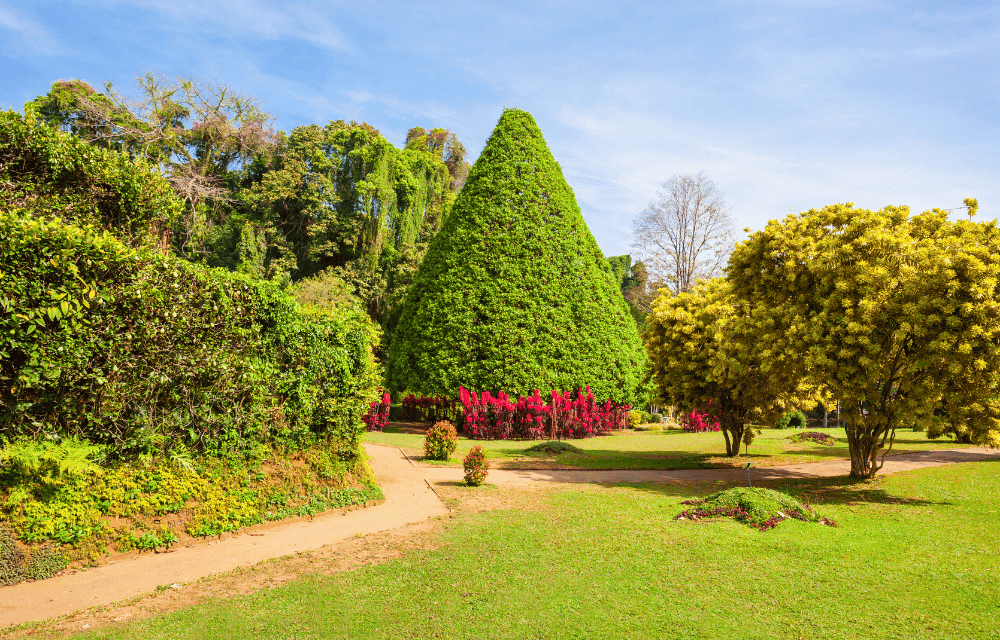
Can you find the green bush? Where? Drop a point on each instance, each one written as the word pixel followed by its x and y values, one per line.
pixel 50 174
pixel 150 354
pixel 476 466
pixel 655 418
pixel 514 293
pixel 553 447
pixel 11 559
pixel 791 420
pixel 45 562
pixel 440 441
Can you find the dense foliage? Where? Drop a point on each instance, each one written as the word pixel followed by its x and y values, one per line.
pixel 897 316
pixel 514 293
pixel 440 441
pixel 476 466
pixel 64 506
pixel 579 415
pixel 47 174
pixel 706 358
pixel 149 353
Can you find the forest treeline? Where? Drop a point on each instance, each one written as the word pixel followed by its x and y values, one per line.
pixel 337 206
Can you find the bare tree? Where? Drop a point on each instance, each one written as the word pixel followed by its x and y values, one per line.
pixel 686 234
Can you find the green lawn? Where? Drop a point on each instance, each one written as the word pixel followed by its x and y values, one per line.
pixel 672 449
pixel 916 555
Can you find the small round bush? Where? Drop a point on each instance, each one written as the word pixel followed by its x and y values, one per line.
pixel 635 418
pixel 476 466
pixel 440 441
pixel 791 420
pixel 656 418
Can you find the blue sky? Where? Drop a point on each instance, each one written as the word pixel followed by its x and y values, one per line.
pixel 782 104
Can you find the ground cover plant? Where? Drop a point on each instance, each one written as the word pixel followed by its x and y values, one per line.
pixel 664 449
pixel 514 294
pixel 760 508
pixel 720 578
pixel 817 437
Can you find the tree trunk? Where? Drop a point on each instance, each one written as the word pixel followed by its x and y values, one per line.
pixel 865 439
pixel 734 439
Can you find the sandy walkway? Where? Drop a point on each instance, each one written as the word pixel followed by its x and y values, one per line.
pixel 409 499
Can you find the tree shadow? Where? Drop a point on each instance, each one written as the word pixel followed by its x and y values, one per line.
pixel 838 490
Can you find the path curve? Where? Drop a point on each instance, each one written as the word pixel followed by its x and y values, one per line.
pixel 410 498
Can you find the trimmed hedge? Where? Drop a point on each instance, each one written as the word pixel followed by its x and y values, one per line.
pixel 514 293
pixel 146 352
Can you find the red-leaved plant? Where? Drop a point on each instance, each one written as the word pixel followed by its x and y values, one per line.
pixel 378 414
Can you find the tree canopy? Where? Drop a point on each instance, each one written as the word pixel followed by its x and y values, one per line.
pixel 897 316
pixel 704 355
pixel 514 293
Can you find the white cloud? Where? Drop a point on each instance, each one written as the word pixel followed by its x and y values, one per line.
pixel 244 19
pixel 26 35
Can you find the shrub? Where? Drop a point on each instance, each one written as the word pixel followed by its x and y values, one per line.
pixel 440 441
pixel 760 508
pixel 476 466
pixel 656 418
pixel 378 414
pixel 696 422
pixel 11 559
pixel 143 351
pixel 514 292
pixel 791 420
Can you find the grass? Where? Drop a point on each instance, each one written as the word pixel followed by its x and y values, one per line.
pixel 671 449
pixel 915 556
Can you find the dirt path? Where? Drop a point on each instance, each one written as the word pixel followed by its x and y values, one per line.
pixel 409 499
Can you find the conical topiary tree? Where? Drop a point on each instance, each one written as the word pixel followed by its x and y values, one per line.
pixel 514 293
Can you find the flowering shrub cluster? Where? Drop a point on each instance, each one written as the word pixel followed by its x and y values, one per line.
pixel 428 409
pixel 531 418
pixel 476 466
pixel 378 414
pixel 441 441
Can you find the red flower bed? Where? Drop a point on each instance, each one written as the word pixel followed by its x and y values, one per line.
pixel 499 418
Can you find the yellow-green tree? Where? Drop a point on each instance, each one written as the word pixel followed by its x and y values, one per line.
pixel 704 355
pixel 894 315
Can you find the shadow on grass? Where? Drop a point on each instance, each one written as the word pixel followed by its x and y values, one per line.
pixel 812 491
